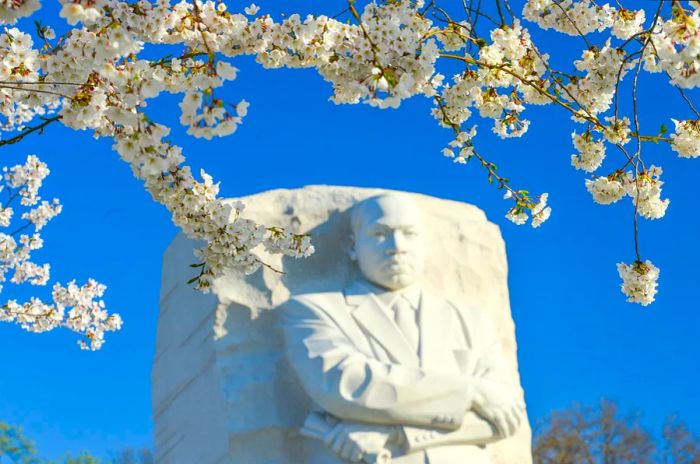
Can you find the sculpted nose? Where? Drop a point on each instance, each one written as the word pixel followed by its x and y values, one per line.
pixel 396 243
pixel 390 245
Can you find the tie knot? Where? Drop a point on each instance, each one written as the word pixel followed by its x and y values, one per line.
pixel 402 304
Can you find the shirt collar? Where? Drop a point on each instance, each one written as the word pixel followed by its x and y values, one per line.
pixel 389 297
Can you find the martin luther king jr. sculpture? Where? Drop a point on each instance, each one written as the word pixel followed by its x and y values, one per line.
pixel 363 374
pixel 394 373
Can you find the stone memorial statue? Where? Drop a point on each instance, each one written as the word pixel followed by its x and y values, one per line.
pixel 393 343
pixel 394 367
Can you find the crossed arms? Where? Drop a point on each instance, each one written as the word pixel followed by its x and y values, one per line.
pixel 431 408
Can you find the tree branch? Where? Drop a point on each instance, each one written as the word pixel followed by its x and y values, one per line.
pixel 21 135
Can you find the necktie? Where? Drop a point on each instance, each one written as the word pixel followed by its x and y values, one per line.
pixel 405 317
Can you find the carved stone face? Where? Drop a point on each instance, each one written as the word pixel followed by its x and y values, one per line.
pixel 388 244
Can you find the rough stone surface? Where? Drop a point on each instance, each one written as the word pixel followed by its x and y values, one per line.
pixel 222 390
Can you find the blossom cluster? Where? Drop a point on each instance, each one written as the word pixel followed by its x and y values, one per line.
pixel 11 10
pixel 96 77
pixel 581 17
pixel 509 61
pixel 590 152
pixel 644 189
pixel 539 210
pixel 639 281
pixel 570 17
pixel 628 23
pixel 77 308
pixel 603 67
pixel 676 43
pixel 464 146
pixel 116 86
pixel 686 139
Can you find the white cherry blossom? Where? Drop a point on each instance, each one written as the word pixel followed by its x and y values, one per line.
pixel 100 76
pixel 639 281
pixel 676 42
pixel 686 139
pixel 627 23
pixel 12 10
pixel 605 190
pixel 645 191
pixel 86 315
pixel 590 152
pixel 541 212
pixel 617 131
pixel 571 17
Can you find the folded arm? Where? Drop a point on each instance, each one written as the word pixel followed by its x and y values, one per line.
pixel 474 430
pixel 352 385
pixel 497 406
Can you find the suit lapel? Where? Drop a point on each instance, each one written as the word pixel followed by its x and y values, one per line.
pixel 434 323
pixel 376 322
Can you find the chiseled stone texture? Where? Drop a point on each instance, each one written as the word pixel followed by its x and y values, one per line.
pixel 222 390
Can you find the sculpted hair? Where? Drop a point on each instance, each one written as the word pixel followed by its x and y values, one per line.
pixel 357 212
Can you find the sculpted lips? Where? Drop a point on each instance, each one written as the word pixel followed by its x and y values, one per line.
pixel 394 265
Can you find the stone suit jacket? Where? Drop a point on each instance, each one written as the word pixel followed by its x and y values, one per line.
pixel 355 364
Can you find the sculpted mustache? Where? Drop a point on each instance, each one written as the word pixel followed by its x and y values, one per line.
pixel 394 262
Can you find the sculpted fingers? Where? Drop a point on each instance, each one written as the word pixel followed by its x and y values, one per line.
pixel 500 423
pixel 330 438
pixel 518 420
pixel 508 422
pixel 517 412
pixel 351 443
pixel 512 422
pixel 357 454
pixel 340 439
pixel 348 448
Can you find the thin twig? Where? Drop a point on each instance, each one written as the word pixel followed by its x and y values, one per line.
pixel 573 23
pixel 687 100
pixel 3 86
pixel 510 11
pixel 638 154
pixel 21 135
pixel 336 16
pixel 39 83
pixel 478 14
pixel 500 13
pixel 490 167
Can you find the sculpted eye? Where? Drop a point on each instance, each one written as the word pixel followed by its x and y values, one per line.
pixel 379 234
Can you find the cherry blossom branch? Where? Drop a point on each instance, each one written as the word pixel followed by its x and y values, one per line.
pixel 390 52
pixel 520 197
pixel 38 128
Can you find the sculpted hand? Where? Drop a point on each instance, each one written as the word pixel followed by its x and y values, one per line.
pixel 499 403
pixel 505 419
pixel 352 442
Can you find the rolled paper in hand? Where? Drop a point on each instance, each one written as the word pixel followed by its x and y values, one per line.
pixel 317 426
pixel 382 457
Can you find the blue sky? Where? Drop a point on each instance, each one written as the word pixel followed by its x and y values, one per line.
pixel 578 339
